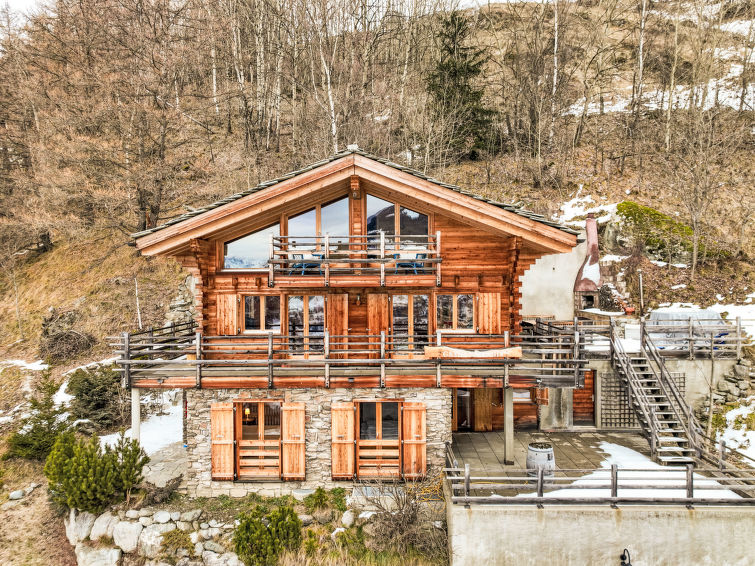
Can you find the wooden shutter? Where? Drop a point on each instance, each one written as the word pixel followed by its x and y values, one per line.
pixel 540 395
pixel 227 315
pixel 342 454
pixel 489 313
pixel 413 440
pixel 483 409
pixel 337 319
pixel 378 319
pixel 292 441
pixel 221 441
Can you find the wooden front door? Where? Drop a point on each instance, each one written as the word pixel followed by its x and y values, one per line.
pixel 378 443
pixel 258 439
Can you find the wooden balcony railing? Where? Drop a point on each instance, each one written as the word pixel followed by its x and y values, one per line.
pixel 373 360
pixel 375 256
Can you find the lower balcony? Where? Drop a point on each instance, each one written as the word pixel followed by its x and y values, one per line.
pixel 168 358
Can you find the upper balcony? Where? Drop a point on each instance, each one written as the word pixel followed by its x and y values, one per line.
pixel 364 260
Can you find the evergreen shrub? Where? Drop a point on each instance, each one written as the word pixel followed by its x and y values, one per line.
pixel 260 539
pixel 99 398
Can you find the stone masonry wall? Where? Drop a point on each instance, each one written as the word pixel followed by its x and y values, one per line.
pixel 198 482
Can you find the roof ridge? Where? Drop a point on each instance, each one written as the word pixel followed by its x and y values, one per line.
pixel 352 150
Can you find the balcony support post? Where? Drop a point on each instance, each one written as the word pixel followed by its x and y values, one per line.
pixel 198 357
pixel 382 258
pixel 437 256
pixel 270 360
pixel 382 359
pixel 327 356
pixel 508 425
pixel 438 371
pixel 327 260
pixel 136 416
pixel 126 356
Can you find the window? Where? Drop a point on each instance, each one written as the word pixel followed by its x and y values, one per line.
pixel 409 321
pixel 382 215
pixel 454 312
pixel 262 313
pixel 306 323
pixel 331 218
pixel 251 251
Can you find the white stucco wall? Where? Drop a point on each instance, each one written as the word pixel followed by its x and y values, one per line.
pixel 548 286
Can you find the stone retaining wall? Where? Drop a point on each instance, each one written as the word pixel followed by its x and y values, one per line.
pixel 198 482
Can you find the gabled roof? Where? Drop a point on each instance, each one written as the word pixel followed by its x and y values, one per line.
pixel 146 238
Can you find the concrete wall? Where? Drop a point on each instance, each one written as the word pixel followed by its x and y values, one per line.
pixel 697 374
pixel 548 286
pixel 198 482
pixel 585 535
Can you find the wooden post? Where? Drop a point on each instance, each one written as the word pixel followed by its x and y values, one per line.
pixel 739 337
pixel 611 333
pixel 508 425
pixel 327 355
pixel 540 481
pixel 126 356
pixel 467 481
pixel 691 341
pixel 577 379
pixel 270 264
pixel 382 258
pixel 614 480
pixel 438 369
pixel 690 482
pixel 270 360
pixel 437 256
pixel 382 359
pixel 198 357
pixel 136 415
pixel 506 339
pixel 327 260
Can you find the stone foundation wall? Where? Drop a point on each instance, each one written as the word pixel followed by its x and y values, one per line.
pixel 198 482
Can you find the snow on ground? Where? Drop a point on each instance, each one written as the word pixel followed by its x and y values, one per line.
pixel 39 365
pixel 746 312
pixel 740 27
pixel 156 431
pixel 660 263
pixel 612 258
pixel 62 397
pixel 579 207
pixel 738 437
pixel 94 365
pixel 680 286
pixel 651 473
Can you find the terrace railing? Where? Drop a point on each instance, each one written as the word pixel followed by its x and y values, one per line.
pixel 376 255
pixel 547 361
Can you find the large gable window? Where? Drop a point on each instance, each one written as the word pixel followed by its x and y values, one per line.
pixel 391 218
pixel 251 251
pixel 331 219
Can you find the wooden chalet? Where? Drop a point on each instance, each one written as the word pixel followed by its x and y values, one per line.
pixel 349 316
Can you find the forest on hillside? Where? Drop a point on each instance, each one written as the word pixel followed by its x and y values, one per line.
pixel 118 115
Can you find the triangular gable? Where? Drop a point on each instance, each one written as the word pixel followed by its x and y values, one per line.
pixel 175 236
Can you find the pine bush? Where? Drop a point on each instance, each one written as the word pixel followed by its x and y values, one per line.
pixel 260 544
pixel 35 438
pixel 99 398
pixel 83 476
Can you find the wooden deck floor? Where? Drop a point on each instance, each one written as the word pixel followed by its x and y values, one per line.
pixel 483 451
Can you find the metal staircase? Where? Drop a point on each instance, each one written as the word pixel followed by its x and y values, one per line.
pixel 664 416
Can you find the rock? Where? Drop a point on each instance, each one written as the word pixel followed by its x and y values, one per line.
pixel 198 548
pixel 212 546
pixel 31 488
pixel 126 535
pixel 146 521
pixel 175 516
pixel 151 539
pixel 146 512
pixel 306 519
pixel 132 514
pixel 204 526
pixel 741 370
pixel 205 534
pixel 183 525
pixel 334 534
pixel 194 537
pixel 323 516
pixel 78 526
pixel 103 556
pixel 190 562
pixel 369 529
pixel 227 559
pixel 214 523
pixel 300 494
pixel 18 494
pixel 9 505
pixel 157 563
pixel 191 516
pixel 161 517
pixel 103 526
pixel 348 518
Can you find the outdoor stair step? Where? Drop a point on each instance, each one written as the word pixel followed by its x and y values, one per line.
pixel 674 449
pixel 676 459
pixel 672 439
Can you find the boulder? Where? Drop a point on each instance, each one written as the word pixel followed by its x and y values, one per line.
pixel 175 516
pixel 183 525
pixel 151 539
pixel 146 521
pixel 306 520
pixel 146 512
pixel 227 559
pixel 126 535
pixel 103 526
pixel 213 546
pixel 190 516
pixel 132 514
pixel 214 523
pixel 348 518
pixel 161 517
pixel 18 494
pixel 323 516
pixel 102 556
pixel 189 562
pixel 78 526
pixel 31 488
pixel 741 371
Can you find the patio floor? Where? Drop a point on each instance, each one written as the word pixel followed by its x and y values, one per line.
pixel 483 451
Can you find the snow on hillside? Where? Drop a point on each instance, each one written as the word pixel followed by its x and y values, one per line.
pixel 156 431
pixel 580 206
pixel 652 473
pixel 736 434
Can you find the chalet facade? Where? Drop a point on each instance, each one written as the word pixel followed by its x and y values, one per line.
pixel 349 317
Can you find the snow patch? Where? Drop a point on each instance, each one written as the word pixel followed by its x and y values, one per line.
pixel 738 437
pixel 62 397
pixel 746 312
pixel 156 431
pixel 680 286
pixel 613 258
pixel 39 365
pixel 591 271
pixel 579 206
pixel 94 365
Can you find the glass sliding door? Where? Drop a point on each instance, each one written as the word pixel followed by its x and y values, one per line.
pixel 306 323
pixel 378 441
pixel 409 321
